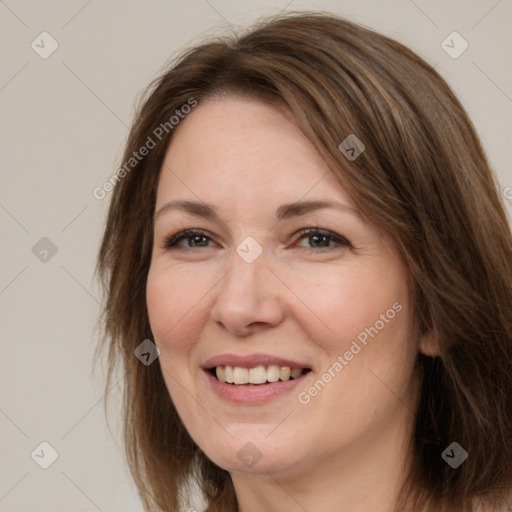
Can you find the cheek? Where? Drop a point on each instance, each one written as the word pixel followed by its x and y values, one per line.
pixel 342 301
pixel 363 328
pixel 174 298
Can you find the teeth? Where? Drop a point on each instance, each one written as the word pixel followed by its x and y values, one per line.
pixel 221 374
pixel 258 375
pixel 228 374
pixel 273 373
pixel 284 373
pixel 240 375
pixel 296 372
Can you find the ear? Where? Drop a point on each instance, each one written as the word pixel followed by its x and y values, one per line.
pixel 429 345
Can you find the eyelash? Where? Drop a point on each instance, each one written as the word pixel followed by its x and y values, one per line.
pixel 171 242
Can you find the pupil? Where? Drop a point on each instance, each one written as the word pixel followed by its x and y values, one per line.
pixel 196 238
pixel 316 237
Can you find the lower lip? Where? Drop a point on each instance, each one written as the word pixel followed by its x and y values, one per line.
pixel 247 394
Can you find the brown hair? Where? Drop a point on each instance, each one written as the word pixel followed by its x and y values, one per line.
pixel 423 179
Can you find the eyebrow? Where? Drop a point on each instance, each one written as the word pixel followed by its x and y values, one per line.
pixel 285 211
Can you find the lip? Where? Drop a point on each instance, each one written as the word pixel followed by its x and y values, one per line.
pixel 251 361
pixel 253 394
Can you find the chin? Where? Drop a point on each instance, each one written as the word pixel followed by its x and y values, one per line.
pixel 258 454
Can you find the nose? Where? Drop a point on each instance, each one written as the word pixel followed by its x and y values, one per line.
pixel 249 298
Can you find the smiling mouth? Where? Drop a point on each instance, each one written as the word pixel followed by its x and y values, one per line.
pixel 256 376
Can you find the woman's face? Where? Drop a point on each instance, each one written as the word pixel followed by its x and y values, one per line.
pixel 250 294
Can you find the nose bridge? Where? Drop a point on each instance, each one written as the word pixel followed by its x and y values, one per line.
pixel 247 294
pixel 245 281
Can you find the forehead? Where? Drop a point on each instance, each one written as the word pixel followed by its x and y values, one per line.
pixel 239 146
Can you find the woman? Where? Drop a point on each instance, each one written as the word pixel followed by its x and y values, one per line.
pixel 307 229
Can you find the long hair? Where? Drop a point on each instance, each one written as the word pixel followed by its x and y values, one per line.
pixel 423 179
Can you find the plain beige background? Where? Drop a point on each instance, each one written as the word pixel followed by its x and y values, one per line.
pixel 64 119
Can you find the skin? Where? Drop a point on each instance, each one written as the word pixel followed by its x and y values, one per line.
pixel 303 298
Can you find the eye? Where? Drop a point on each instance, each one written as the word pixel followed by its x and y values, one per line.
pixel 321 239
pixel 193 237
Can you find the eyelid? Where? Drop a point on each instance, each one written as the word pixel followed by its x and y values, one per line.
pixel 170 242
pixel 340 239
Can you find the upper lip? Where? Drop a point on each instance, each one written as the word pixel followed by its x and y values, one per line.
pixel 251 361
